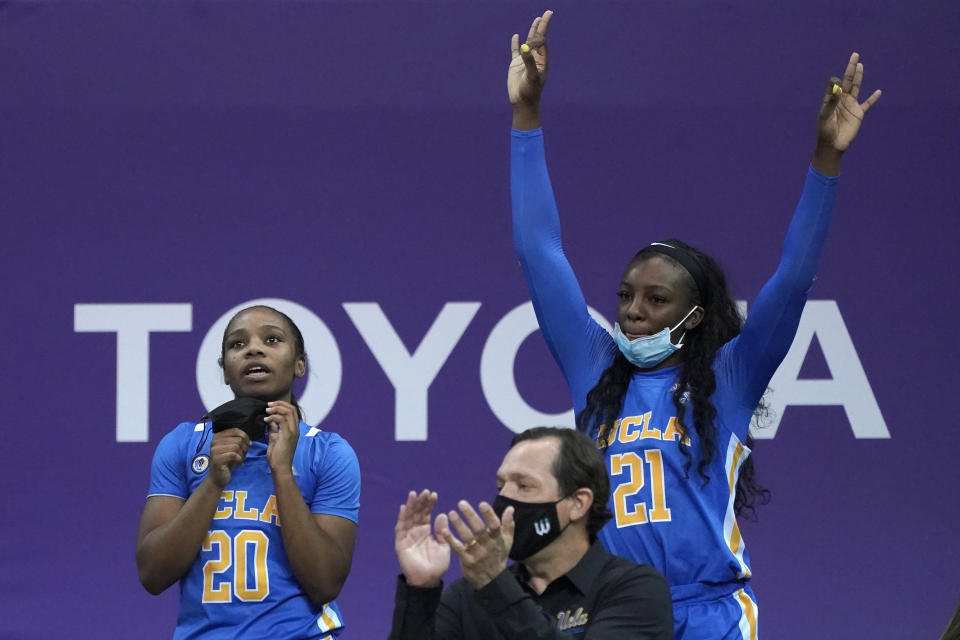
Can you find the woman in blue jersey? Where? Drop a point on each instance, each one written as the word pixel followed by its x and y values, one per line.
pixel 218 498
pixel 671 395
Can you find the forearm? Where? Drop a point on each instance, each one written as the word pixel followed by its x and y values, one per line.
pixel 415 613
pixel 318 561
pixel 775 313
pixel 807 233
pixel 165 553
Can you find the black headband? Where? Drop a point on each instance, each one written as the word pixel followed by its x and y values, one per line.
pixel 688 262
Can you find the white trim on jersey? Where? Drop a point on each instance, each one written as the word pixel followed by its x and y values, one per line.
pixel 199 426
pixel 328 619
pixel 313 431
pixel 748 620
pixel 737 453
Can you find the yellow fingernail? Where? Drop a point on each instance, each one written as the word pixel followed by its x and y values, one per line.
pixel 836 89
pixel 525 47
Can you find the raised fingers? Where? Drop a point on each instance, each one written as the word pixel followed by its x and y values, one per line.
pixel 441 529
pixel 831 96
pixel 422 505
pixel 871 100
pixel 850 72
pixel 476 522
pixel 544 23
pixel 514 46
pixel 857 79
pixel 464 530
pixel 530 63
pixel 533 28
pixel 491 521
pixel 507 526
pixel 416 510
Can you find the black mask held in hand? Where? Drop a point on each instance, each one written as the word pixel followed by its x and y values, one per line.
pixel 536 524
pixel 243 413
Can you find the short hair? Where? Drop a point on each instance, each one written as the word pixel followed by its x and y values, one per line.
pixel 579 464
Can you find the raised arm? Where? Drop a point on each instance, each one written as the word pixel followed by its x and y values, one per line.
pixel 772 322
pixel 575 340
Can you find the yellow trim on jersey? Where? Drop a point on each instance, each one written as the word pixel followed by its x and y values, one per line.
pixel 328 620
pixel 731 530
pixel 749 615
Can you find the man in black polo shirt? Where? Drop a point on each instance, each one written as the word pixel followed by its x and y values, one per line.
pixel 553 491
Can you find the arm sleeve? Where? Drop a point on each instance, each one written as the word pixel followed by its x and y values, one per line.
pixel 167 472
pixel 423 614
pixel 579 345
pixel 338 481
pixel 772 322
pixel 634 605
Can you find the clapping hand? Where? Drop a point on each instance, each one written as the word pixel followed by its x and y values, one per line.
pixel 484 542
pixel 423 558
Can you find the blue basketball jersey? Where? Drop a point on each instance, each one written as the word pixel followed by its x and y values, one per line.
pixel 664 514
pixel 241 584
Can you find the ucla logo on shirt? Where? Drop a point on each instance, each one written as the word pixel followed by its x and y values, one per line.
pixel 200 463
pixel 570 620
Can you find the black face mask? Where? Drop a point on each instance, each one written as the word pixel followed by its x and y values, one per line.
pixel 536 524
pixel 243 413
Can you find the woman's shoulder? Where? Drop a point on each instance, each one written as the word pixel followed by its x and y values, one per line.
pixel 325 442
pixel 184 431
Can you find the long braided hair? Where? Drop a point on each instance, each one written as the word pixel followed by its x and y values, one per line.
pixel 696 381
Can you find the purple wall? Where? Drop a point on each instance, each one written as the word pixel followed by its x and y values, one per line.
pixel 325 153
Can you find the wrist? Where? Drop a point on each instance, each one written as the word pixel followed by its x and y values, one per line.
pixel 423 582
pixel 281 473
pixel 826 159
pixel 526 117
pixel 213 481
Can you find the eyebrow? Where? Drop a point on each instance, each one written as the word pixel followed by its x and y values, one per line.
pixel 269 327
pixel 514 476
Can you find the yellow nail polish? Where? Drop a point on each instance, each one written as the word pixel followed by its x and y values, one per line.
pixel 525 47
pixel 836 89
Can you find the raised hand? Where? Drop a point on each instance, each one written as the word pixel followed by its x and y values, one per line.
pixel 841 113
pixel 528 71
pixel 227 451
pixel 423 558
pixel 283 429
pixel 484 543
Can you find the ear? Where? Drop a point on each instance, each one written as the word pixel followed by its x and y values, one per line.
pixel 300 367
pixel 582 500
pixel 223 372
pixel 695 318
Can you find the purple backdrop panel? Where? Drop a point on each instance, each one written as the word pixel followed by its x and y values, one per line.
pixel 351 158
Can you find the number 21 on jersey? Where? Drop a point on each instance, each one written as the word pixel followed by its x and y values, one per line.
pixel 631 465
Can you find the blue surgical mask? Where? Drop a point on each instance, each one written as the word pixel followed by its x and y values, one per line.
pixel 649 351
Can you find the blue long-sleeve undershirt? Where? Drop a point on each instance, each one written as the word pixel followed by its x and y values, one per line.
pixel 583 349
